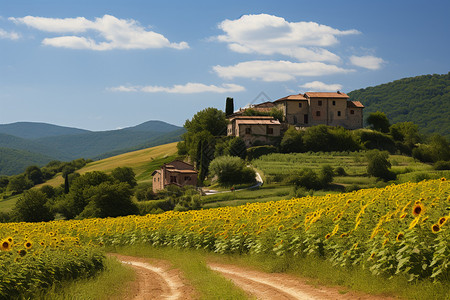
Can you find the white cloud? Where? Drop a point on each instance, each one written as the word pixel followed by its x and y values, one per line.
pixel 318 86
pixel 270 70
pixel 268 34
pixel 8 35
pixel 115 33
pixel 368 62
pixel 189 88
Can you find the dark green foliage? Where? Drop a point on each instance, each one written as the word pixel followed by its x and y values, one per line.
pixel 34 174
pixel 19 183
pixel 231 170
pixel 4 181
pixel 437 149
pixel 124 174
pixel 235 147
pixel 144 192
pixel 378 165
pixel 32 207
pixel 442 165
pixel 109 200
pixel 277 114
pixel 229 106
pixel 210 119
pixel 181 198
pixel 317 138
pixel 255 152
pixel 378 121
pixel 370 139
pixel 305 178
pixel 5 217
pixel 340 171
pixel 48 191
pixel 326 175
pixel 292 141
pixel 13 161
pixel 422 99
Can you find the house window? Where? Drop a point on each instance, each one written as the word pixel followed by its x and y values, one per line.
pixel 173 179
pixel 352 112
pixel 339 113
pixel 269 130
pixel 318 113
pixel 300 105
pixel 187 178
pixel 248 130
pixel 334 102
pixel 319 103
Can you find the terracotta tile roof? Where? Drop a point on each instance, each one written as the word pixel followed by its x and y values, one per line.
pixel 267 104
pixel 182 171
pixel 239 117
pixel 258 122
pixel 354 104
pixel 292 97
pixel 327 95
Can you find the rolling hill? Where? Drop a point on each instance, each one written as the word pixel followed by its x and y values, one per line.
pixel 424 100
pixel 65 144
pixel 12 160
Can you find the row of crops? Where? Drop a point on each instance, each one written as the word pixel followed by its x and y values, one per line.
pixel 400 229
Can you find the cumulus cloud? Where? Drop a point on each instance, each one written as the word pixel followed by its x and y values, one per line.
pixel 8 35
pixel 189 88
pixel 318 86
pixel 270 70
pixel 268 34
pixel 115 33
pixel 369 62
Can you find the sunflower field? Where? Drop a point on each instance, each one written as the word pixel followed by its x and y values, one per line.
pixel 401 229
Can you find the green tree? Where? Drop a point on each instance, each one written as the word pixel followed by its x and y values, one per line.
pixel 34 174
pixel 109 200
pixel 18 184
pixel 292 141
pixel 236 147
pixel 326 175
pixel 231 170
pixel 378 121
pixel 32 207
pixel 124 174
pixel 317 138
pixel 229 107
pixel 378 165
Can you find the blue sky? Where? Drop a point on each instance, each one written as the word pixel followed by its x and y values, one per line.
pixel 102 65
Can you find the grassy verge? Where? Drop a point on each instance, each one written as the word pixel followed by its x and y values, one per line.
pixel 321 272
pixel 109 284
pixel 206 282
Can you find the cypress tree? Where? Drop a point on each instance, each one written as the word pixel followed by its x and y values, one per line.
pixel 229 107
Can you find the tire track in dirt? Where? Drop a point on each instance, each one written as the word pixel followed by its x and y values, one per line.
pixel 155 281
pixel 283 286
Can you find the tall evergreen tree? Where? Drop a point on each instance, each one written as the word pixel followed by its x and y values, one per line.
pixel 229 107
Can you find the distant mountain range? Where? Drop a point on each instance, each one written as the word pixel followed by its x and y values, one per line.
pixel 27 143
pixel 424 100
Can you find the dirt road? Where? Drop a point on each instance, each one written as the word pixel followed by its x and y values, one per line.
pixel 156 280
pixel 283 286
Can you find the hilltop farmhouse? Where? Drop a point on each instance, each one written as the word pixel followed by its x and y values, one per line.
pixel 301 110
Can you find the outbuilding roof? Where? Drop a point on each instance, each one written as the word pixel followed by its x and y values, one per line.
pixel 354 104
pixel 326 95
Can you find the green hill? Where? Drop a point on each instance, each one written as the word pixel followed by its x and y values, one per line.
pixel 13 161
pixel 424 100
pixel 33 130
pixel 66 144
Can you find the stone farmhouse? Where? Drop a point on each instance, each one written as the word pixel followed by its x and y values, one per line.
pixel 301 110
pixel 176 172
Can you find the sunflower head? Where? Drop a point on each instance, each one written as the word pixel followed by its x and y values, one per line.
pixel 417 209
pixel 327 236
pixel 28 245
pixel 442 221
pixel 400 236
pixel 435 228
pixel 22 252
pixel 5 245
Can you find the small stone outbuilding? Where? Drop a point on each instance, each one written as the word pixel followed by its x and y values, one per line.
pixel 176 172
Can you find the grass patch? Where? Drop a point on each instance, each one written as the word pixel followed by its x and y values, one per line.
pixel 208 284
pixel 109 284
pixel 320 272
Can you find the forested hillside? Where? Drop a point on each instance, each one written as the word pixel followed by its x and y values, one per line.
pixel 13 161
pixel 424 100
pixel 30 143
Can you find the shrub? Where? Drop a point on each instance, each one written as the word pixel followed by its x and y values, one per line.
pixel 256 152
pixel 370 139
pixel 32 207
pixel 292 141
pixel 442 165
pixel 231 170
pixel 340 171
pixel 379 165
